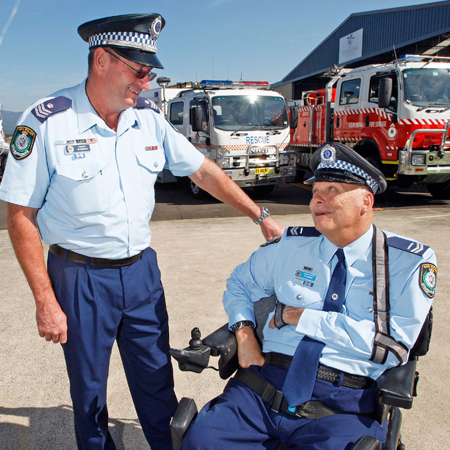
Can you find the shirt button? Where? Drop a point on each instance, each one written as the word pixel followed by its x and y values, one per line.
pixel 84 174
pixel 299 297
pixel 369 309
pixel 156 164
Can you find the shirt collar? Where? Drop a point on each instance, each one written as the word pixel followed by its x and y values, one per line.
pixel 352 251
pixel 88 117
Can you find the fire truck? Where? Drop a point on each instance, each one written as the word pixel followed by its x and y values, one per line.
pixel 396 115
pixel 242 126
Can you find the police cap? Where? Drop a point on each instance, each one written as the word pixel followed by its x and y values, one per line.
pixel 133 36
pixel 337 162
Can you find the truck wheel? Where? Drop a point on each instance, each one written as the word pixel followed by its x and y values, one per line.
pixel 264 190
pixel 195 191
pixel 439 191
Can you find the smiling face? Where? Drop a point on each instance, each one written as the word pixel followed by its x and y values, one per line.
pixel 124 86
pixel 342 212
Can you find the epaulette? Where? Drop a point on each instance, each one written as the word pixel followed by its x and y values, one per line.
pixel 303 231
pixel 145 103
pixel 407 245
pixel 273 241
pixel 55 105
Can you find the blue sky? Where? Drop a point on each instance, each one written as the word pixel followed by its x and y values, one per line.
pixel 41 52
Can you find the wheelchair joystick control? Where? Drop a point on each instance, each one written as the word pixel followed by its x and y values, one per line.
pixel 194 358
pixel 195 343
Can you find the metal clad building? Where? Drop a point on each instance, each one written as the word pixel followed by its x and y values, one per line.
pixel 410 30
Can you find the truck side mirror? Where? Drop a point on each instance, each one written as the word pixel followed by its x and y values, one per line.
pixel 196 118
pixel 293 117
pixel 385 92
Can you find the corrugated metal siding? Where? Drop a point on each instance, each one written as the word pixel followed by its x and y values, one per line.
pixel 381 31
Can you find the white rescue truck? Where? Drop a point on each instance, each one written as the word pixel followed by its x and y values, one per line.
pixel 396 115
pixel 242 126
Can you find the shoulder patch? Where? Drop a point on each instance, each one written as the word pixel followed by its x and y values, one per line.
pixel 22 141
pixel 303 231
pixel 428 277
pixel 273 241
pixel 55 105
pixel 407 245
pixel 145 103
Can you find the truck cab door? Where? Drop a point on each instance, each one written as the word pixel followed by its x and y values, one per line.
pixel 348 113
pixel 176 115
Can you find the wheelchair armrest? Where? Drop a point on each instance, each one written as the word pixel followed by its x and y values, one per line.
pixel 367 443
pixel 185 413
pixel 397 385
pixel 223 344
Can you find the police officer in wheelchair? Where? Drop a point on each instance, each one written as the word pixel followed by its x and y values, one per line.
pixel 351 302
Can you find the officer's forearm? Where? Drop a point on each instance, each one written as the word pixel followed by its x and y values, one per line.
pixel 292 315
pixel 249 351
pixel 22 227
pixel 213 180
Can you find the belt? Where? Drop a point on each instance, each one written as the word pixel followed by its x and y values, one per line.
pixel 323 372
pixel 270 394
pixel 82 259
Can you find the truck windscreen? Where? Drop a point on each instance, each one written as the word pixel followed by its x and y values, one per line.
pixel 427 87
pixel 249 112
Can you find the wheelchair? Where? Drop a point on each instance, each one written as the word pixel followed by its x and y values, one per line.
pixel 395 388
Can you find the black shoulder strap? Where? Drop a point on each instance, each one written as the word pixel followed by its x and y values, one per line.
pixel 383 342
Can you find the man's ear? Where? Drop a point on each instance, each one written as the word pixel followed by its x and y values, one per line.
pixel 368 201
pixel 100 59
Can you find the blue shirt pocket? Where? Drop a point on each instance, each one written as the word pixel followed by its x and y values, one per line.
pixel 151 163
pixel 293 294
pixel 82 186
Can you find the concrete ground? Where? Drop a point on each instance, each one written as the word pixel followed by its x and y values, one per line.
pixel 196 257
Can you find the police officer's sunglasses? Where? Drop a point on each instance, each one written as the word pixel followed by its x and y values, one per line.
pixel 140 73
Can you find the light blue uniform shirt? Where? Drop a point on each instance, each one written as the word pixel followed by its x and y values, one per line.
pixel 97 198
pixel 298 270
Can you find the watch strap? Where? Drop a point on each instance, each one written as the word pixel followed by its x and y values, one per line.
pixel 241 324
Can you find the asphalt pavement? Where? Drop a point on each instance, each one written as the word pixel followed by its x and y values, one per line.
pixel 196 256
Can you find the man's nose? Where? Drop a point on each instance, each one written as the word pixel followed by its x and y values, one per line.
pixel 144 83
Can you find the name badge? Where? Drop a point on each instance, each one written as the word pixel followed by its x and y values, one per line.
pixel 76 148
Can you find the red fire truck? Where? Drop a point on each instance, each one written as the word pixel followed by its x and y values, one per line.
pixel 396 115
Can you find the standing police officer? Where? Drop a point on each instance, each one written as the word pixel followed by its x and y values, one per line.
pixel 81 176
pixel 311 385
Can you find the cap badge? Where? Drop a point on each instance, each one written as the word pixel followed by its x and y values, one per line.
pixel 156 26
pixel 328 155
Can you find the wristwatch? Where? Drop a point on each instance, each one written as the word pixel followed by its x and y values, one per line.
pixel 242 324
pixel 264 215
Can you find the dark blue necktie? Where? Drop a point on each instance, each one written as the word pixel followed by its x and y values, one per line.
pixel 299 383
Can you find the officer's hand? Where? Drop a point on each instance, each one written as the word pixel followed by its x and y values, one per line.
pixel 291 316
pixel 249 351
pixel 51 321
pixel 271 229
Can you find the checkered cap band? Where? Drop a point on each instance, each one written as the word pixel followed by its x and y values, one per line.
pixel 140 41
pixel 344 165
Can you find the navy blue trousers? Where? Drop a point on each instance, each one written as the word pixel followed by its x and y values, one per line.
pixel 239 420
pixel 103 305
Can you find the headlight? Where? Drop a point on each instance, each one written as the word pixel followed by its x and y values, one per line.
pixel 284 160
pixel 225 163
pixel 222 158
pixel 418 160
